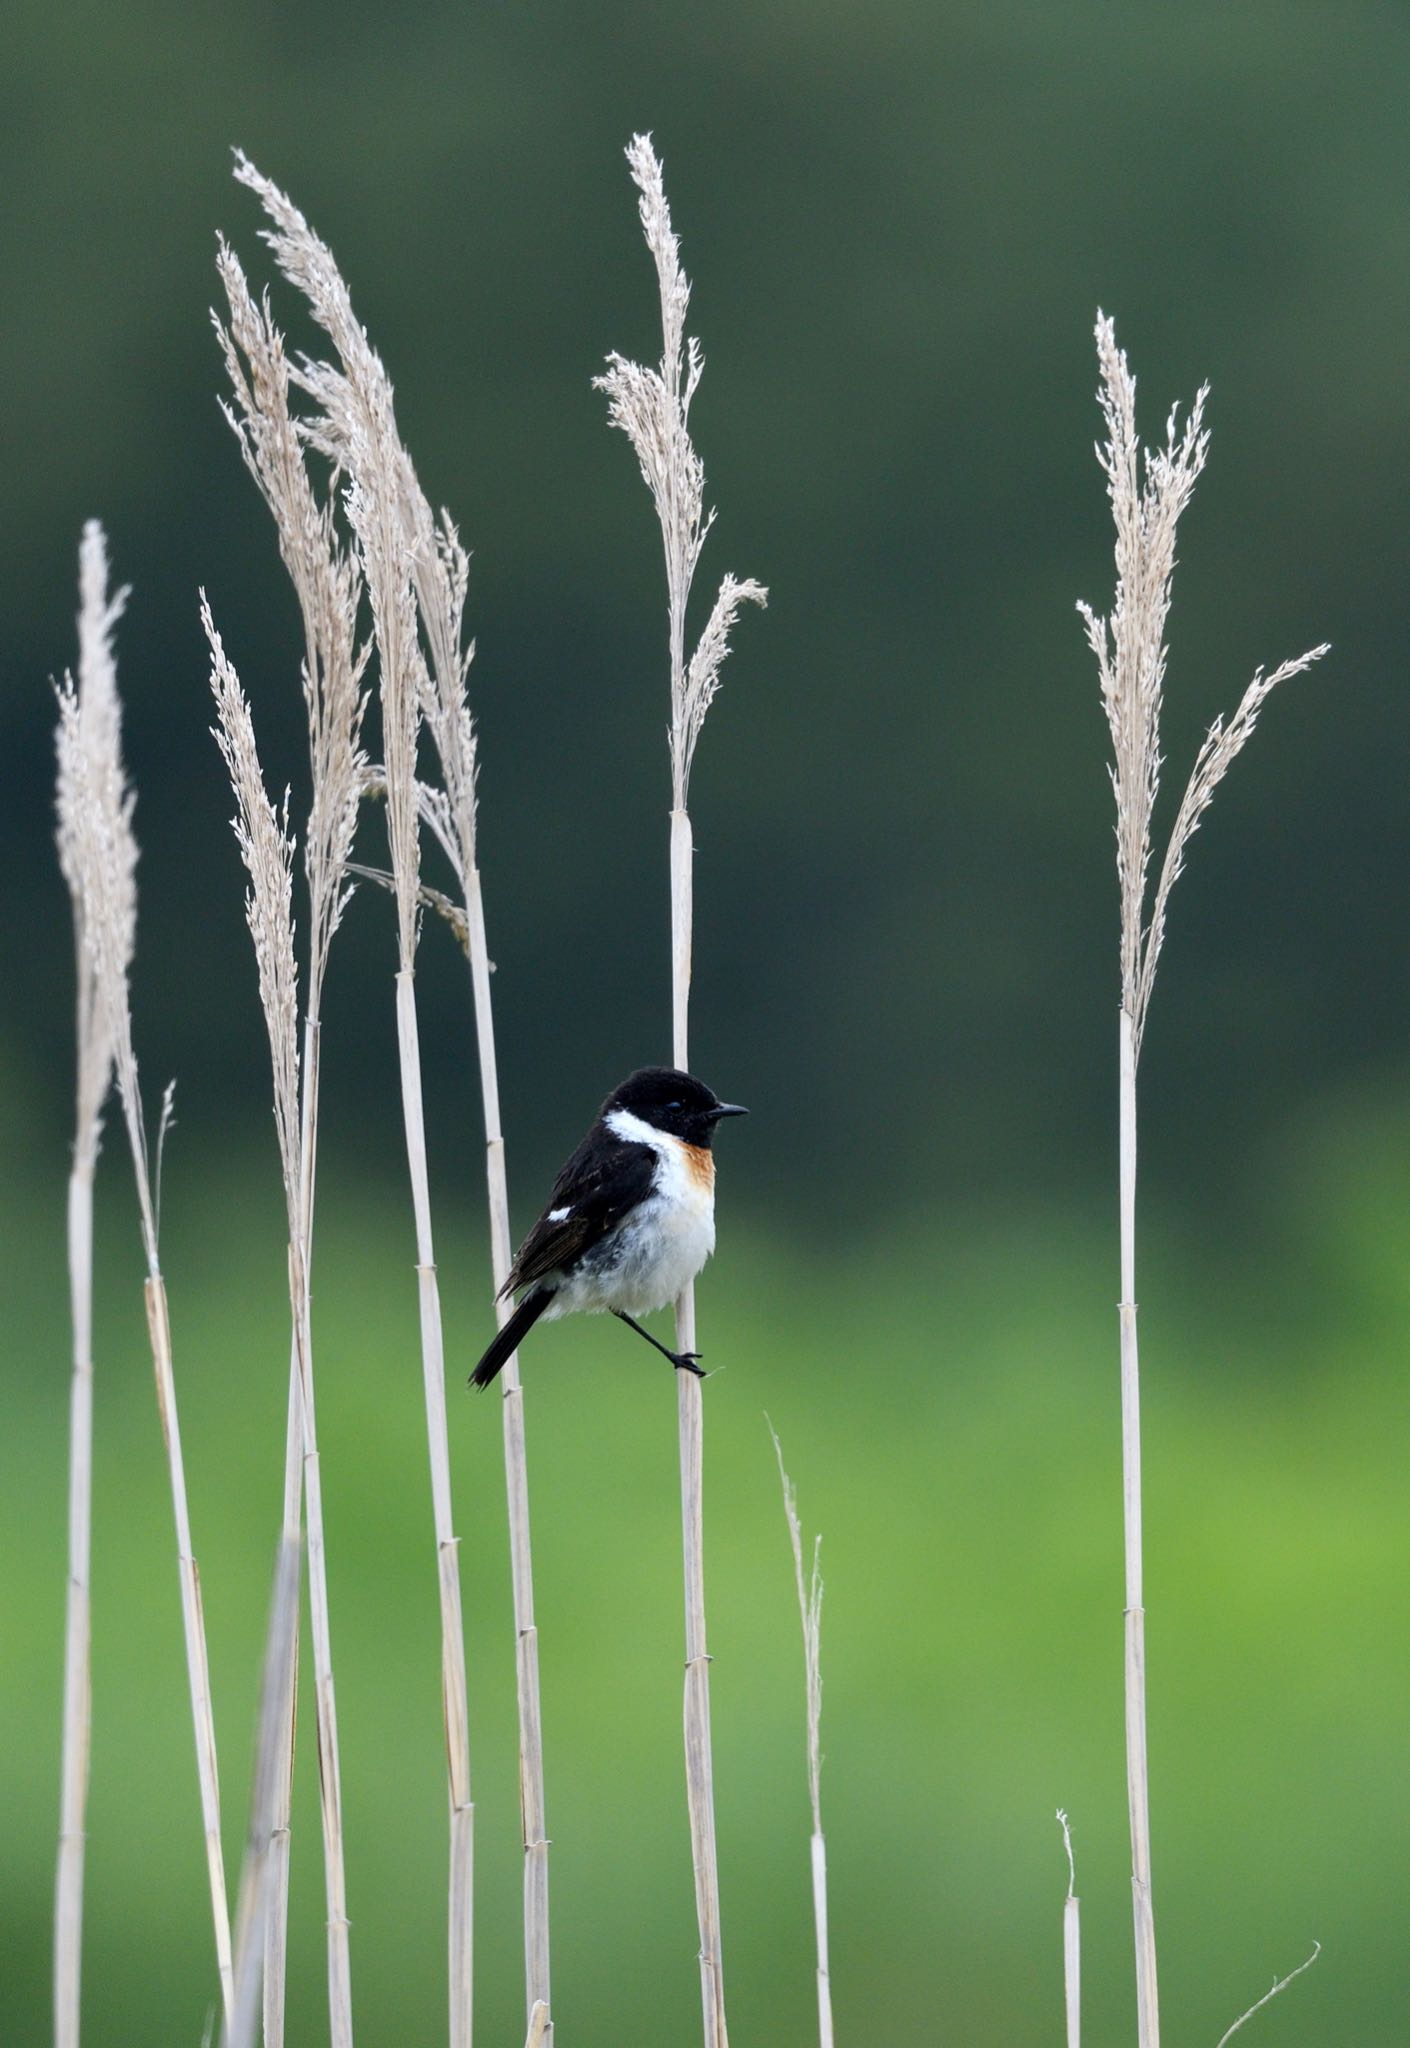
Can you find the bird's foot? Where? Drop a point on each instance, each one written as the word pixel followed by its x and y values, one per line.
pixel 687 1361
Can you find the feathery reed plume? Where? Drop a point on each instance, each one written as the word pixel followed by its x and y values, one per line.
pixel 810 1599
pixel 416 575
pixel 99 716
pixel 652 407
pixel 267 850
pixel 1279 1984
pixel 1148 491
pixel 252 1906
pixel 1071 1943
pixel 99 855
pixel 328 587
pixel 326 582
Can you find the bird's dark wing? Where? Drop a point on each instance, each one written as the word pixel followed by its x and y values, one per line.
pixel 605 1179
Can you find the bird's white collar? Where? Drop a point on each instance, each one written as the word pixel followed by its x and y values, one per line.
pixel 634 1130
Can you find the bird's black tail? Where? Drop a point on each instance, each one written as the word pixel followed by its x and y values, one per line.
pixel 512 1335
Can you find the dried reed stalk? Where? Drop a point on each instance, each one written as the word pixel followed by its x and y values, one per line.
pixel 440 574
pixel 328 587
pixel 652 407
pixel 267 850
pixel 275 1921
pixel 450 812
pixel 810 1599
pixel 99 857
pixel 1071 1943
pixel 99 717
pixel 1148 492
pixel 533 1815
pixel 415 572
pixel 257 1870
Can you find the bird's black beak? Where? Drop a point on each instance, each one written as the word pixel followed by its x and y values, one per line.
pixel 726 1109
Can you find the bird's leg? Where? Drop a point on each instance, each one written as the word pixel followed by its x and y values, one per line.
pixel 684 1361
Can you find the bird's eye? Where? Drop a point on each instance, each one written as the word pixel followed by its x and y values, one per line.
pixel 675 1105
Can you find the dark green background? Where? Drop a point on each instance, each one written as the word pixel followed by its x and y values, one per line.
pixel 900 221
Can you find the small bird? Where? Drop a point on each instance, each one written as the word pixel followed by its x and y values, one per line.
pixel 631 1219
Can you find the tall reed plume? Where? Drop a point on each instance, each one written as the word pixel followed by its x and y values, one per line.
pixel 328 587
pixel 417 574
pixel 1149 490
pixel 98 854
pixel 652 407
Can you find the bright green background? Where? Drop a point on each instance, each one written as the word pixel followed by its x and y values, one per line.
pixel 900 221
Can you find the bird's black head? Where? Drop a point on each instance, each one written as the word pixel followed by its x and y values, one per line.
pixel 672 1101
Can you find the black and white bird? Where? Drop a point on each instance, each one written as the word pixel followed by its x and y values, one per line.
pixel 631 1219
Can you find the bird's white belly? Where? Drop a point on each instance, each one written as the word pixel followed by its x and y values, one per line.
pixel 657 1251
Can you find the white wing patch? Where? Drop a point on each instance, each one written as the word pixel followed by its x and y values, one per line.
pixel 559 1215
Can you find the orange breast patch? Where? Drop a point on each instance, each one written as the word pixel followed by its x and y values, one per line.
pixel 700 1165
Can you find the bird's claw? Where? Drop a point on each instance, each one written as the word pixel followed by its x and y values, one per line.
pixel 687 1361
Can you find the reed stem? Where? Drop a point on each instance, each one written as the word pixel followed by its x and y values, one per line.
pixel 1071 1943
pixel 824 1974
pixel 699 1763
pixel 533 1820
pixel 453 1685
pixel 276 1914
pixel 257 1871
pixel 276 1919
pixel 1072 1968
pixel 325 1701
pixel 809 1587
pixel 68 1885
pixel 1137 1775
pixel 193 1623
pixel 275 1923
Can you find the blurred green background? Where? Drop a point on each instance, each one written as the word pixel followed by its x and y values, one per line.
pixel 900 221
